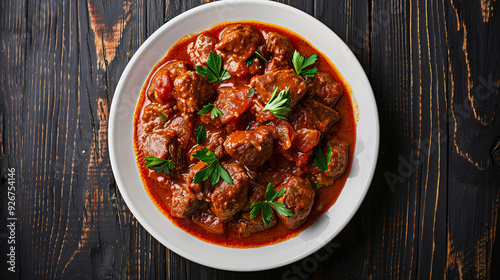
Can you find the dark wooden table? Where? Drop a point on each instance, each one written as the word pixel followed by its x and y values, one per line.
pixel 432 210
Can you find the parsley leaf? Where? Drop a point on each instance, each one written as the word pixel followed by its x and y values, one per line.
pixel 249 61
pixel 160 165
pixel 319 158
pixel 260 56
pixel 317 186
pixel 280 207
pixel 265 206
pixel 207 108
pixel 210 107
pixel 201 134
pixel 215 113
pixel 279 106
pixel 267 213
pixel 251 58
pixel 162 116
pixel 252 92
pixel 256 206
pixel 206 156
pixel 329 155
pixel 214 171
pixel 301 62
pixel 214 71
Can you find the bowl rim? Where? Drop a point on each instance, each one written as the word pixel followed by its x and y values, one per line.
pixel 142 218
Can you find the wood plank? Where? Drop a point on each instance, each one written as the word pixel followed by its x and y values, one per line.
pixel 432 210
pixel 349 253
pixel 12 87
pixel 433 145
pixel 474 126
pixel 408 78
pixel 65 60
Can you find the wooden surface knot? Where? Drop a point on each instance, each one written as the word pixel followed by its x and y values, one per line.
pixel 495 152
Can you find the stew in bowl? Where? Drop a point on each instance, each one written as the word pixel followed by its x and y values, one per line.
pixel 244 134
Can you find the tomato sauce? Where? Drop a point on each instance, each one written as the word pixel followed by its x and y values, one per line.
pixel 325 197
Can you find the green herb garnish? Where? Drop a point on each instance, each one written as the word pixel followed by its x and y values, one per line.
pixel 317 186
pixel 256 54
pixel 214 171
pixel 162 116
pixel 260 56
pixel 279 106
pixel 214 71
pixel 210 107
pixel 301 62
pixel 319 158
pixel 265 205
pixel 159 164
pixel 201 134
pixel 252 92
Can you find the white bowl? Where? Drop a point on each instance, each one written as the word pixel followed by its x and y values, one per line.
pixel 123 159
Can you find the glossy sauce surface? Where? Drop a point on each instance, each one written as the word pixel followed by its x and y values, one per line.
pixel 344 129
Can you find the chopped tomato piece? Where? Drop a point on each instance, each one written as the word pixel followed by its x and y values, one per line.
pixel 283 132
pixel 233 102
pixel 209 221
pixel 294 155
pixel 163 88
pixel 306 139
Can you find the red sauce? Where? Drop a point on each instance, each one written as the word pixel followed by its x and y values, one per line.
pixel 325 197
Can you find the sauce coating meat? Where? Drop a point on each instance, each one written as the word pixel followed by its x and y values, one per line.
pixel 250 147
pixel 299 198
pixel 228 134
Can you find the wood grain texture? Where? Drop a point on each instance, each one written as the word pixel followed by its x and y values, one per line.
pixel 473 200
pixel 432 209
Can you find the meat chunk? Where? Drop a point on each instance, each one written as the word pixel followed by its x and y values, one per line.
pixel 301 118
pixel 164 146
pixel 233 102
pixel 252 148
pixel 299 198
pixel 214 142
pixel 339 157
pixel 283 132
pixel 338 161
pixel 247 226
pixel 169 141
pixel 257 110
pixel 257 63
pixel 199 189
pixel 256 193
pixel 280 171
pixel 154 111
pixel 183 200
pixel 201 48
pixel 237 43
pixel 162 179
pixel 192 91
pixel 286 79
pixel 281 50
pixel 323 116
pixel 228 199
pixel 209 121
pixel 175 69
pixel 161 86
pixel 155 115
pixel 179 126
pixel 209 221
pixel 324 89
